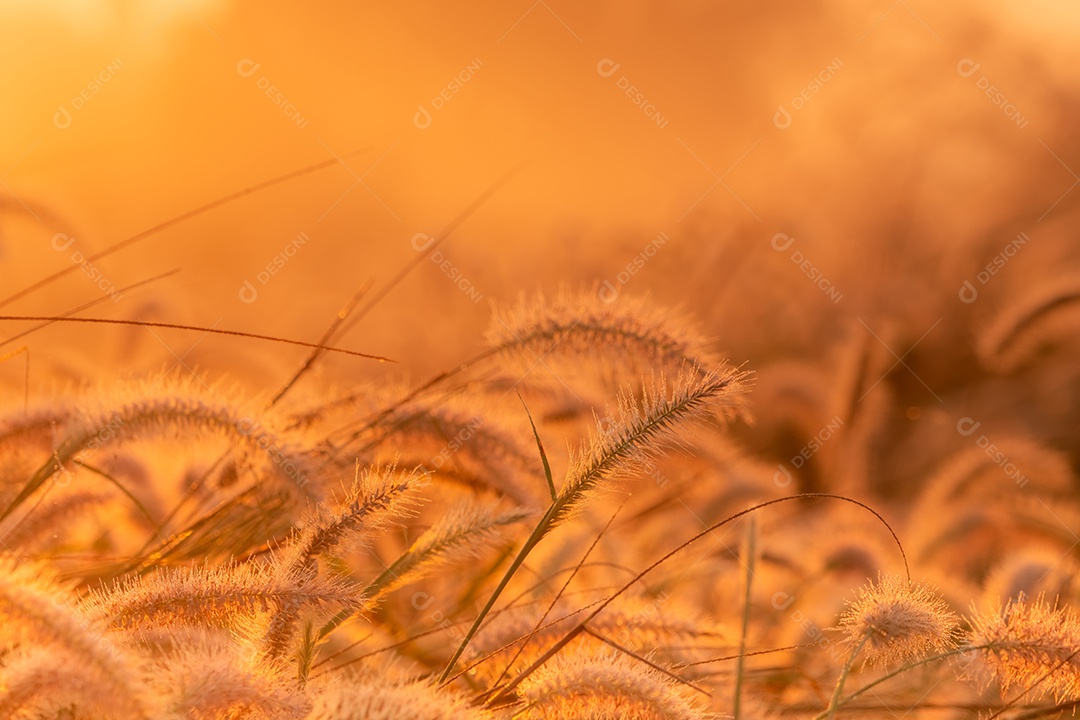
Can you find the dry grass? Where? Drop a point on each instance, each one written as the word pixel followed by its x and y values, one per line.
pixel 170 555
pixel 837 477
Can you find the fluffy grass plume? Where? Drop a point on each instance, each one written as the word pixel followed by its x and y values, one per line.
pixel 573 328
pixel 1031 644
pixel 503 546
pixel 895 620
pixel 578 685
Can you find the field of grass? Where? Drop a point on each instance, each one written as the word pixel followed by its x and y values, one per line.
pixel 533 419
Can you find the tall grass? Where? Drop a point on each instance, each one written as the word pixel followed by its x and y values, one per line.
pixel 464 547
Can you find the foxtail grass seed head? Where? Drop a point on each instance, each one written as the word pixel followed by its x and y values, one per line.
pixel 1032 644
pixel 896 621
pixel 576 331
pixel 374 700
pixel 593 683
pixel 393 549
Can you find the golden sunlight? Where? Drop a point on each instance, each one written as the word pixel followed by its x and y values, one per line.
pixel 539 359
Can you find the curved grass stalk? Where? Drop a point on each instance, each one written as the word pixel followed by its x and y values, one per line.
pixel 750 548
pixel 580 627
pixel 193 328
pixel 176 220
pixel 608 455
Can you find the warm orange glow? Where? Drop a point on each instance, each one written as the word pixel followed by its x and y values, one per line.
pixel 870 209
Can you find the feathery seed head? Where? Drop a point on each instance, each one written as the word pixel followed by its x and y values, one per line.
pixel 896 620
pixel 575 329
pixel 1032 644
pixel 593 683
pixel 644 425
pixel 376 699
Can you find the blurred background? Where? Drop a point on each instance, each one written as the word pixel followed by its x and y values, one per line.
pixel 874 206
pixel 802 177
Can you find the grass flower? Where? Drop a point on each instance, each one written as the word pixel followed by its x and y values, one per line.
pixel 1032 644
pixel 595 684
pixel 895 621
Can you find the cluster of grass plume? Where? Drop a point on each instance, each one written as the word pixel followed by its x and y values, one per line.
pixel 410 552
